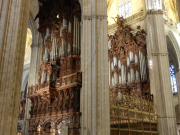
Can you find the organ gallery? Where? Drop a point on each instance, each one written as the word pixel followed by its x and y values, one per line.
pixel 55 101
pixel 132 109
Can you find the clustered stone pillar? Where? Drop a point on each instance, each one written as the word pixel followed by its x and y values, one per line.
pixel 159 76
pixel 14 16
pixel 33 80
pixel 94 58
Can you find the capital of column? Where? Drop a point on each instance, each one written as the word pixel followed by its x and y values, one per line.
pixel 159 54
pixel 153 11
pixel 90 17
pixel 34 45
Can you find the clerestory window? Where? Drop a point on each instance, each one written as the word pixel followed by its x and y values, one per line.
pixel 173 79
pixel 125 8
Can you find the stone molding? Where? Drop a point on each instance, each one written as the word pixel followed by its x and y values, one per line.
pixel 141 16
pixel 90 17
pixel 159 54
pixel 154 11
pixel 34 45
pixel 26 67
pixel 130 20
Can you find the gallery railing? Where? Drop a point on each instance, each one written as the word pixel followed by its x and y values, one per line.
pixel 132 115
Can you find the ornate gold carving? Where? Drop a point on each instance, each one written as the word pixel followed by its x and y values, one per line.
pixel 131 105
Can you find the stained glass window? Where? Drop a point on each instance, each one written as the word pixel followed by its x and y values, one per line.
pixel 173 79
pixel 125 8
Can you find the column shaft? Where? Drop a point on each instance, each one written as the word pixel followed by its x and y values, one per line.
pixel 159 74
pixel 94 52
pixel 13 29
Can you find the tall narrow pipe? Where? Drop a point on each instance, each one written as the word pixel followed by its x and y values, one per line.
pixel 76 34
pixel 62 49
pixel 77 37
pixel 74 37
pixel 119 79
pixel 69 27
pixel 52 51
pixel 48 35
pixel 60 52
pixel 124 74
pixel 69 48
pixel 143 61
pixel 109 72
pixel 137 76
pixel 119 64
pixel 129 78
pixel 140 62
pixel 61 31
pixel 64 23
pixel 145 70
pixel 51 35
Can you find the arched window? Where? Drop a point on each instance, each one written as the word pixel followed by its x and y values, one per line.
pixel 173 79
pixel 125 8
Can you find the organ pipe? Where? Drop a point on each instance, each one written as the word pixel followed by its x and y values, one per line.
pixel 77 37
pixel 115 61
pixel 131 56
pixel 43 78
pixel 54 50
pixel 129 78
pixel 109 72
pixel 119 64
pixel 115 79
pixel 128 62
pixel 48 35
pixel 58 40
pixel 137 75
pixel 132 75
pixel 61 31
pixel 69 27
pixel 120 80
pixel 64 23
pixel 74 36
pixel 112 67
pixel 69 48
pixel 136 59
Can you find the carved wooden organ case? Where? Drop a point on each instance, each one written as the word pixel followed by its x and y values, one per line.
pixel 132 110
pixel 128 68
pixel 56 99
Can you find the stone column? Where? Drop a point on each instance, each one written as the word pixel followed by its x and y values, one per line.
pixel 33 64
pixel 33 80
pixel 14 16
pixel 159 72
pixel 94 59
pixel 178 92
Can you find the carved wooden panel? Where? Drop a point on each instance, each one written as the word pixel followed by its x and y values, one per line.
pixel 128 60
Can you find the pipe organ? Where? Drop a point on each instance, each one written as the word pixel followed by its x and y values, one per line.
pixel 132 110
pixel 128 61
pixel 56 99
